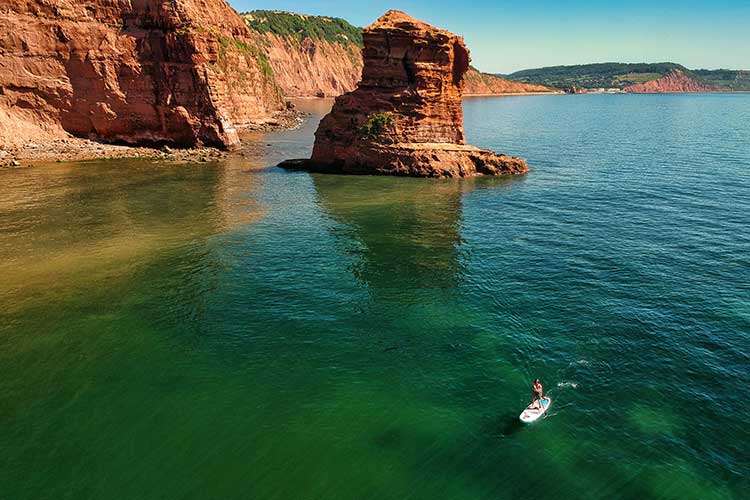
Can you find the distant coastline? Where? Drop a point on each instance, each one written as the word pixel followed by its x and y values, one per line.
pixel 558 92
pixel 646 78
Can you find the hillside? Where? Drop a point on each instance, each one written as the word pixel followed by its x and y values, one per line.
pixel 591 76
pixel 315 56
pixel 635 77
pixel 737 80
pixel 674 82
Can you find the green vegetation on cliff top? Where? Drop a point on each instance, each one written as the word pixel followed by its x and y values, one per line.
pixel 620 75
pixel 301 26
pixel 602 75
pixel 727 78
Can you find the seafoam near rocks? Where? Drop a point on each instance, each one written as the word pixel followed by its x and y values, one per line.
pixel 185 72
pixel 405 117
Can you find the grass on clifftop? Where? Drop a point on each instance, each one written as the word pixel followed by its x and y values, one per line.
pixel 301 26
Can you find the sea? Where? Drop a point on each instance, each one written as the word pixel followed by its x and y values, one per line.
pixel 234 330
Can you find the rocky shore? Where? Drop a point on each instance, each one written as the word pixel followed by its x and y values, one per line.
pixel 75 149
pixel 45 150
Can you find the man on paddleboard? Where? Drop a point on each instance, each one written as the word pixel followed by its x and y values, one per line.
pixel 538 392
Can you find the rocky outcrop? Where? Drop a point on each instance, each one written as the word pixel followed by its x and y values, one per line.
pixel 675 82
pixel 185 72
pixel 477 83
pixel 405 118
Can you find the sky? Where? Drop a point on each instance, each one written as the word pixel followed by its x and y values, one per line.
pixel 508 36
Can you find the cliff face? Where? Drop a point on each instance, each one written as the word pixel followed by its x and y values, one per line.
pixel 185 72
pixel 405 117
pixel 311 56
pixel 675 82
pixel 313 68
pixel 477 83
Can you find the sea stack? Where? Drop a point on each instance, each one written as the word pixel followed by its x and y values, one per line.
pixel 405 117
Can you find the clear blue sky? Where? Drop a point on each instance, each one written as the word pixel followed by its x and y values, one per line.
pixel 507 36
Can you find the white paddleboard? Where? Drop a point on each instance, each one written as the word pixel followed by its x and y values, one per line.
pixel 533 411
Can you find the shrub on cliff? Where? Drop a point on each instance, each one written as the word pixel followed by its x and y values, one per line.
pixel 376 126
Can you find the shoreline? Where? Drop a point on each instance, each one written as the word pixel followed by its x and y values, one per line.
pixel 78 149
pixel 315 98
pixel 75 149
pixel 514 94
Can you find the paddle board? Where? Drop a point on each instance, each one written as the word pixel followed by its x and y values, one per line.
pixel 533 412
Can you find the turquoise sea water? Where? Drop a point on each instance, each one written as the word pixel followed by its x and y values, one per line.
pixel 233 330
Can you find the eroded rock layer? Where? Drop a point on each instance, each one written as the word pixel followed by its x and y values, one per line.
pixel 313 68
pixel 405 117
pixel 185 72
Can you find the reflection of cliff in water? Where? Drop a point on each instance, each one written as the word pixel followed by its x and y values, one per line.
pixel 404 232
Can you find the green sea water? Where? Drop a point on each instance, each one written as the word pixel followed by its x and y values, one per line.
pixel 233 330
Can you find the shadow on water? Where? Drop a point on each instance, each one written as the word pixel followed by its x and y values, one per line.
pixel 408 231
pixel 502 426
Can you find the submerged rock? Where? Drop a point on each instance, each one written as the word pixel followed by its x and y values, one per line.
pixel 405 117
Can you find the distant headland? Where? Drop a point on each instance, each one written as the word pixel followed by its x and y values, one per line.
pixel 666 77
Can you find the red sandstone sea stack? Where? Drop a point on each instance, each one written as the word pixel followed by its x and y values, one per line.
pixel 405 117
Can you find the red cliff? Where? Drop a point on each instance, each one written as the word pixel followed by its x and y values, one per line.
pixel 313 68
pixel 675 82
pixel 477 83
pixel 405 117
pixel 186 72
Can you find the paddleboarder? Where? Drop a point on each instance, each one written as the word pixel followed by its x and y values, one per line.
pixel 538 392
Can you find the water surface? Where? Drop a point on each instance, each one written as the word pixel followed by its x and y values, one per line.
pixel 234 330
